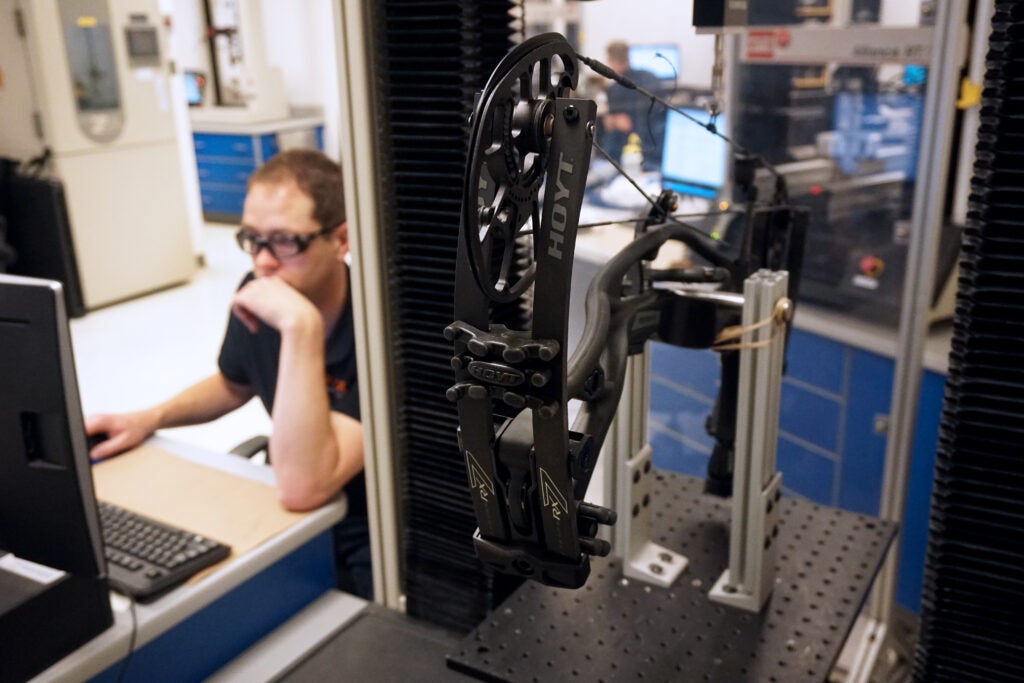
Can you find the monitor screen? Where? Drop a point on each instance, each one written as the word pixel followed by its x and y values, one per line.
pixel 48 509
pixel 694 160
pixel 194 82
pixel 661 60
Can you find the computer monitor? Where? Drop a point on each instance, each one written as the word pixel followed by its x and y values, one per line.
pixel 48 511
pixel 663 60
pixel 194 83
pixel 693 161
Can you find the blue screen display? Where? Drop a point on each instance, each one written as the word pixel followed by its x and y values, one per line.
pixel 694 160
pixel 193 93
pixel 882 127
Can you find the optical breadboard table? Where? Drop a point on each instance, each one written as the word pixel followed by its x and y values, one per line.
pixel 617 629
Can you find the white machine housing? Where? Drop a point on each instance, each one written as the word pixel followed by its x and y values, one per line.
pixel 261 95
pixel 119 164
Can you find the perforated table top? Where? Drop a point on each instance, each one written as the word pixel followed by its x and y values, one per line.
pixel 616 629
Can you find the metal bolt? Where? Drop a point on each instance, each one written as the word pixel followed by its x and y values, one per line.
pixel 665 557
pixel 881 425
pixel 571 114
pixel 656 568
pixel 590 129
pixel 729 588
pixel 549 125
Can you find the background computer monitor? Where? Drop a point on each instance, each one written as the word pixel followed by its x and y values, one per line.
pixel 48 509
pixel 661 60
pixel 194 82
pixel 693 161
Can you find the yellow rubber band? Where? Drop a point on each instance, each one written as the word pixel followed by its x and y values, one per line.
pixel 728 338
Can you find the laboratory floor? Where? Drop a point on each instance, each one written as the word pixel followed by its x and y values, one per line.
pixel 137 353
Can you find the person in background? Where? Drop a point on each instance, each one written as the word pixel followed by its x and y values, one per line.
pixel 629 111
pixel 290 341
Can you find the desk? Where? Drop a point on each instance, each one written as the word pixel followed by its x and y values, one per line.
pixel 215 618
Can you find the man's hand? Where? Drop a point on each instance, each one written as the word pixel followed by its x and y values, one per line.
pixel 274 302
pixel 124 431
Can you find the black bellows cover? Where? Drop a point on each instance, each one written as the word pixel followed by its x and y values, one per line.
pixel 431 58
pixel 972 627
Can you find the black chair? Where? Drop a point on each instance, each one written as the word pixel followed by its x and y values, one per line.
pixel 251 448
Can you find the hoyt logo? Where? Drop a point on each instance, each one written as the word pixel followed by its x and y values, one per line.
pixel 496 374
pixel 559 214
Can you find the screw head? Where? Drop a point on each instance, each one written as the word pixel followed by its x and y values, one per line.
pixel 571 113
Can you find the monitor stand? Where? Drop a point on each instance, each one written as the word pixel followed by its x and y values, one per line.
pixel 45 614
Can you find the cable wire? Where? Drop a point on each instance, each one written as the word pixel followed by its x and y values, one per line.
pixel 650 200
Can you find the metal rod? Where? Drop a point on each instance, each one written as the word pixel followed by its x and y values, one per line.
pixel 929 201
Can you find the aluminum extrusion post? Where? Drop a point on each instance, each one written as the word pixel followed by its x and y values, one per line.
pixel 747 582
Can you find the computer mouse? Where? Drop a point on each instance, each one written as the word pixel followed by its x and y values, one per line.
pixel 93 440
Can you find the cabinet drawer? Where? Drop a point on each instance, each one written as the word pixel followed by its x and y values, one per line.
pixel 815 360
pixel 231 174
pixel 223 201
pixel 211 144
pixel 810 416
pixel 698 370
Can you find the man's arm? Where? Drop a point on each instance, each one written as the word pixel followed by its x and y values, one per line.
pixel 204 401
pixel 314 450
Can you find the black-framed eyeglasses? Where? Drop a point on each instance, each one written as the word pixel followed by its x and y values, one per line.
pixel 280 244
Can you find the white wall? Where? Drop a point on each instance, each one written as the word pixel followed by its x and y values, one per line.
pixel 901 12
pixel 300 42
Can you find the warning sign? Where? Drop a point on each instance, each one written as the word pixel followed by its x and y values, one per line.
pixel 760 44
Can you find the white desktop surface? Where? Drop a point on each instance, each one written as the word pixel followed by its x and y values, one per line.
pixel 157 617
pixel 217 120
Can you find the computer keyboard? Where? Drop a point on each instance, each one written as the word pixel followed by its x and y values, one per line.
pixel 145 558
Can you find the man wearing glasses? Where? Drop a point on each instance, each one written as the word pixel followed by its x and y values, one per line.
pixel 290 341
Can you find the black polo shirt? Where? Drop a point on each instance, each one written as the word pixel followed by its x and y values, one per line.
pixel 252 359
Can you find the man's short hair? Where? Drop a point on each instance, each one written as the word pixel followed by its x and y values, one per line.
pixel 619 51
pixel 315 174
